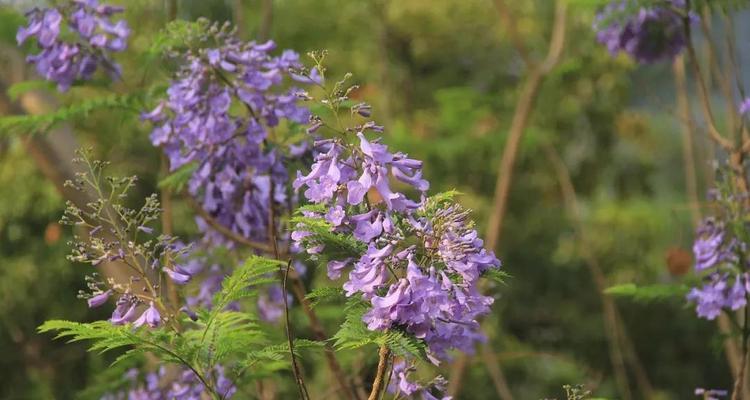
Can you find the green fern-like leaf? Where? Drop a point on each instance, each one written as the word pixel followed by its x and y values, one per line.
pixel 177 180
pixel 404 345
pixel 179 34
pixel 338 246
pixel 353 333
pixel 19 88
pixel 648 294
pixel 28 124
pixel 320 294
pixel 240 284
pixel 105 337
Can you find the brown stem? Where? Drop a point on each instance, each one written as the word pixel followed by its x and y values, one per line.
pixel 737 392
pixel 715 70
pixel 703 91
pixel 524 108
pixel 688 131
pixel 266 20
pixel 297 289
pixel 238 15
pixel 172 10
pixel 228 233
pixel 288 327
pixel 377 385
pixel 167 225
pixel 496 373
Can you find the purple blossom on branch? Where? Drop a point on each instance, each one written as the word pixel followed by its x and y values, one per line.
pixel 651 35
pixel 421 259
pixel 62 60
pixel 218 115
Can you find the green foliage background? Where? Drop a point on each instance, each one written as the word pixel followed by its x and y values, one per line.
pixel 444 79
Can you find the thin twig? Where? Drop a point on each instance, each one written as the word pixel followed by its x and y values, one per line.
pixel 298 290
pixel 509 23
pixel 521 116
pixel 266 19
pixel 377 384
pixel 702 90
pixel 295 367
pixel 228 233
pixel 167 223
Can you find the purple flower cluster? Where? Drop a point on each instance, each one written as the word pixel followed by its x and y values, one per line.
pixel 422 260
pixel 96 36
pixel 401 386
pixel 653 34
pixel 218 115
pixel 726 286
pixel 160 385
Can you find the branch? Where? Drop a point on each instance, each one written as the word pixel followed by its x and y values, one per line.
pixel 377 385
pixel 295 367
pixel 228 233
pixel 297 289
pixel 266 19
pixel 702 90
pixel 557 41
pixel 509 22
pixel 520 120
pixel 688 131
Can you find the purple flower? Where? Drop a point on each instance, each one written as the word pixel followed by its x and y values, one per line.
pixel 99 299
pixel 736 296
pixel 151 317
pixel 178 275
pixel 744 107
pixel 710 298
pixel 400 385
pixel 125 310
pixel 707 246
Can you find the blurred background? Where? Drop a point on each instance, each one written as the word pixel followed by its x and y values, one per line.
pixel 598 195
